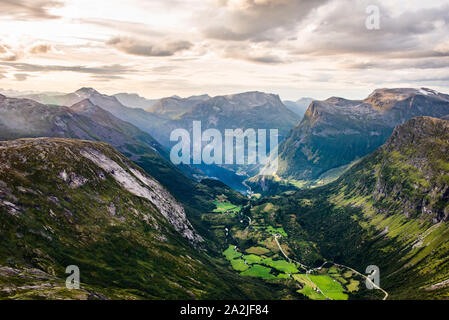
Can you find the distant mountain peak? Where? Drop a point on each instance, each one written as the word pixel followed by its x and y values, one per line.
pixel 252 98
pixel 86 91
pixel 250 93
pixel 338 101
pixel 385 99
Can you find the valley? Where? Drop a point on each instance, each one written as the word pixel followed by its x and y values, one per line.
pixel 225 158
pixel 291 237
pixel 255 250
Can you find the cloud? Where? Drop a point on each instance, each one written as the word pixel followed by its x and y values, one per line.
pixel 40 48
pixel 102 77
pixel 164 69
pixel 7 53
pixel 255 55
pixel 98 70
pixel 411 34
pixel 393 65
pixel 128 27
pixel 21 76
pixel 147 49
pixel 28 9
pixel 256 20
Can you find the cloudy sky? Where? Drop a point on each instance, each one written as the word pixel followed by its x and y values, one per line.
pixel 157 48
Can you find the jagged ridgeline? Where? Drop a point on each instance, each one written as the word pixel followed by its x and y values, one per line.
pixel 390 210
pixel 337 131
pixel 71 202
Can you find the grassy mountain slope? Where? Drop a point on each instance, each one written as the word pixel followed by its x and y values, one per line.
pixel 70 202
pixel 391 210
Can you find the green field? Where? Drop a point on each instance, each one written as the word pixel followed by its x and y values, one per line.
pixel 274 231
pixel 223 207
pixel 258 271
pixel 281 265
pixel 239 264
pixel 230 253
pixel 252 259
pixel 330 287
pixel 309 288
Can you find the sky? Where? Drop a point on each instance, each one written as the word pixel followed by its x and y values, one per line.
pixel 158 48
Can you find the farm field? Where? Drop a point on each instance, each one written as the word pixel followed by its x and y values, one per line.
pixel 226 207
pixel 253 252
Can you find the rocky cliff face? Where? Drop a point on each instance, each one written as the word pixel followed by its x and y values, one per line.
pixel 337 131
pixel 410 173
pixel 59 159
pixel 68 202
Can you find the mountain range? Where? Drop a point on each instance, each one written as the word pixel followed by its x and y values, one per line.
pixel 168 114
pixel 24 118
pixel 86 180
pixel 337 131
